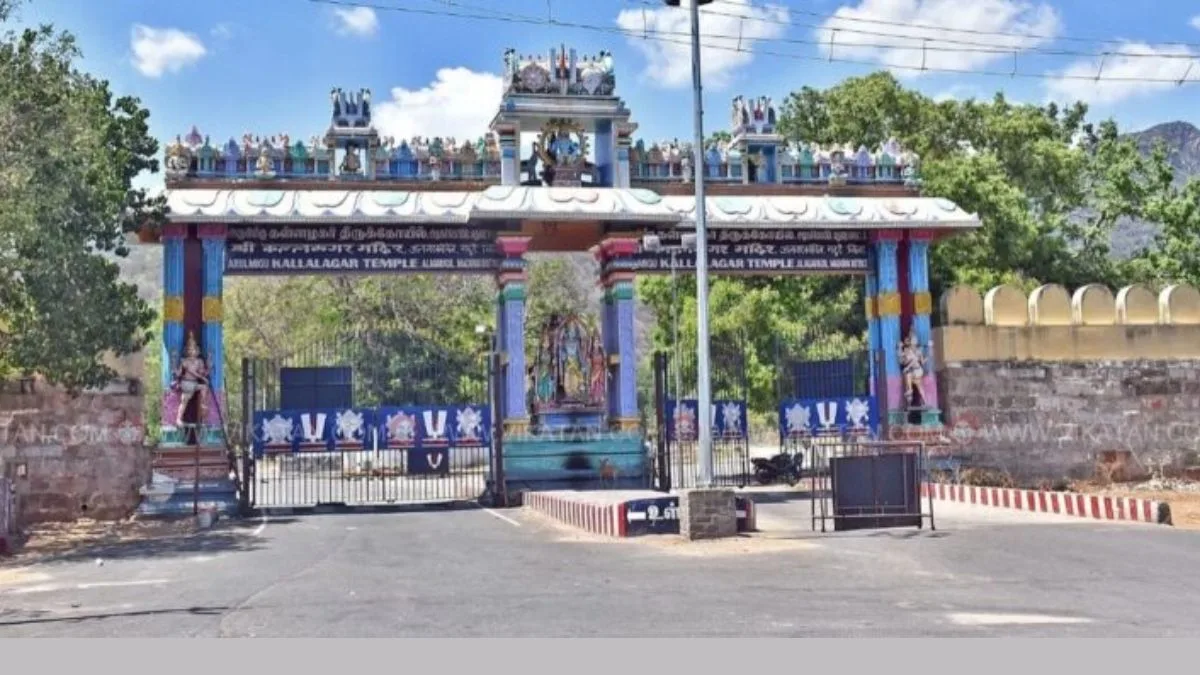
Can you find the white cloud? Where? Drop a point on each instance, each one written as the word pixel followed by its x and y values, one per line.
pixel 223 31
pixel 1160 63
pixel 360 21
pixel 459 102
pixel 1195 22
pixel 161 50
pixel 957 92
pixel 898 42
pixel 668 54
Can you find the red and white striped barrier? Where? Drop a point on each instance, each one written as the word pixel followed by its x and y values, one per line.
pixel 603 519
pixel 1096 507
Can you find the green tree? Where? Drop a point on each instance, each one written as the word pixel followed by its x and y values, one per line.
pixel 68 154
pixel 1048 186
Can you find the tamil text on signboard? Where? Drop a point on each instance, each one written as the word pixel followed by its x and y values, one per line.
pixel 764 251
pixel 345 249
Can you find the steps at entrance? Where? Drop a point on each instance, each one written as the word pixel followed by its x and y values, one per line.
pixel 183 476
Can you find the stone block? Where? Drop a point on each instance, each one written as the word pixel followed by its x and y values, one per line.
pixel 709 513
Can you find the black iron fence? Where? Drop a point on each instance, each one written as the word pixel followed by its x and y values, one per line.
pixel 677 415
pixel 367 477
pixel 367 373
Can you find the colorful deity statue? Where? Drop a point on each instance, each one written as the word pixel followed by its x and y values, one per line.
pixel 191 380
pixel 569 371
pixel 912 366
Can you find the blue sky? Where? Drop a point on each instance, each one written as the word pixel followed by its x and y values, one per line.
pixel 266 66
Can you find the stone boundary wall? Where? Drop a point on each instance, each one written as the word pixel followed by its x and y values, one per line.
pixel 72 457
pixel 1054 385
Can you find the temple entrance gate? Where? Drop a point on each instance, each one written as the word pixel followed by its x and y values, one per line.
pixel 352 201
pixel 373 418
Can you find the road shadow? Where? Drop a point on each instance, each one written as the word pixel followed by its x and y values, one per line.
pixel 782 496
pixel 121 541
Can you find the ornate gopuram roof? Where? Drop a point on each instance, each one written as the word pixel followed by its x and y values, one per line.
pixel 586 168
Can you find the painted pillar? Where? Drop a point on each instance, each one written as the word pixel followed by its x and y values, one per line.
pixel 872 289
pixel 510 331
pixel 887 305
pixel 173 238
pixel 212 238
pixel 606 150
pixel 508 137
pixel 922 309
pixel 624 141
pixel 617 277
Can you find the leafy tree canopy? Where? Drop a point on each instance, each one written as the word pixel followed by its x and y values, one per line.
pixel 69 151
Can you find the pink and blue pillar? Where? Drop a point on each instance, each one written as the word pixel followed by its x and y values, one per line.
pixel 919 309
pixel 510 331
pixel 872 289
pixel 887 307
pixel 212 238
pixel 173 238
pixel 617 331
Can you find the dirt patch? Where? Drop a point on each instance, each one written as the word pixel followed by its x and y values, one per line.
pixel 49 539
pixel 1184 501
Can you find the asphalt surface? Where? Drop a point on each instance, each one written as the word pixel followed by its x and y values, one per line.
pixel 479 573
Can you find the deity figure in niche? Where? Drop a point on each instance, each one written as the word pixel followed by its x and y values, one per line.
pixel 912 366
pixel 569 370
pixel 571 362
pixel 191 380
pixel 599 384
pixel 544 378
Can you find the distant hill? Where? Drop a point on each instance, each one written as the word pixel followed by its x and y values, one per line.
pixel 1182 140
pixel 1183 145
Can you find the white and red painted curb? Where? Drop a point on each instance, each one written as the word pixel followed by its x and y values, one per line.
pixel 1095 507
pixel 603 519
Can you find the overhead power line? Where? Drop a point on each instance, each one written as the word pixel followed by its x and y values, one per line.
pixel 464 11
pixel 924 42
pixel 929 26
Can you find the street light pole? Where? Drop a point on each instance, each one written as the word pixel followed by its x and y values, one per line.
pixel 704 457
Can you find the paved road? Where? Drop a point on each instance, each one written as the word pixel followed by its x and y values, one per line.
pixel 472 573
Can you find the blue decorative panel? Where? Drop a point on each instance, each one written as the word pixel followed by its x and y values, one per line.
pixel 838 415
pixel 338 429
pixel 429 461
pixel 728 419
pixel 341 249
pixel 764 251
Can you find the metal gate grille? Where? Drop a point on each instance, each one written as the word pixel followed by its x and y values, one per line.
pixel 374 419
pixel 678 417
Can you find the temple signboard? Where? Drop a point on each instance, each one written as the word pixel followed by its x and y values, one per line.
pixel 764 251
pixel 359 248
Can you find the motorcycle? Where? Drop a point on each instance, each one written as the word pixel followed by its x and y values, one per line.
pixel 781 467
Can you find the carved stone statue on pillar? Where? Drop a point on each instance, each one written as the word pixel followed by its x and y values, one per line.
pixel 191 380
pixel 912 368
